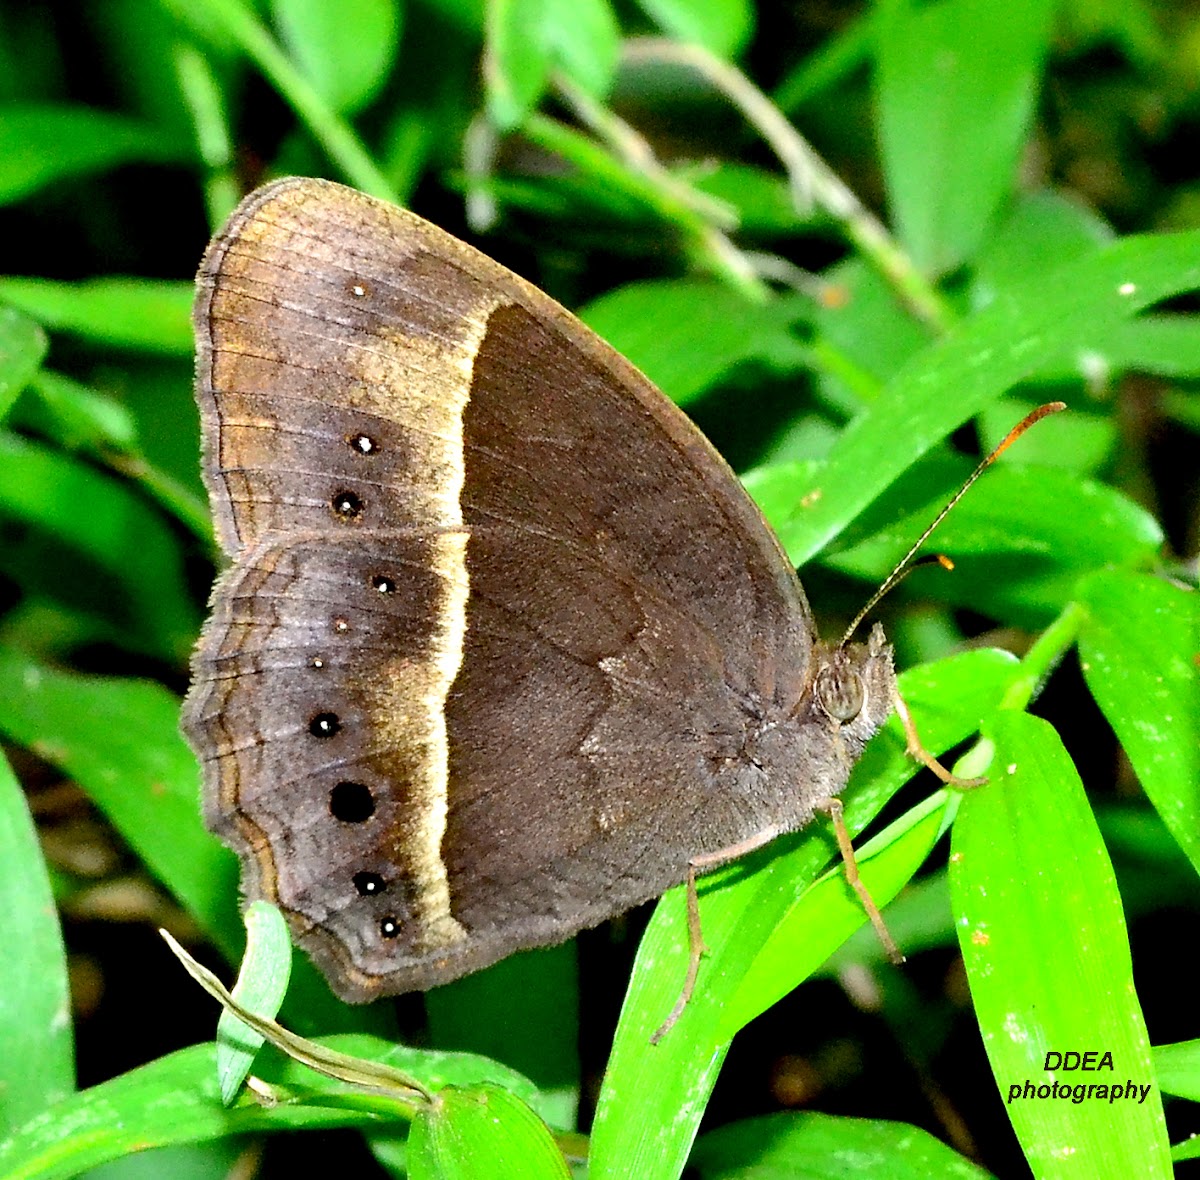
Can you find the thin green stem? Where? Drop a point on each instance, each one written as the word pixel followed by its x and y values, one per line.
pixel 207 108
pixel 631 147
pixel 1043 657
pixel 708 245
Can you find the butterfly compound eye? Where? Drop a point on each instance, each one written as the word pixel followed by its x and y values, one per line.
pixel 841 693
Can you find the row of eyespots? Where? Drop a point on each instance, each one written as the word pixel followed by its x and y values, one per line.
pixel 346 504
pixel 351 802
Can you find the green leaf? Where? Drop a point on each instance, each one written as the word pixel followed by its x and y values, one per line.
pixel 1178 1069
pixel 1016 540
pixel 1041 930
pixel 944 71
pixel 41 143
pixel 686 334
pixel 149 315
pixel 345 48
pixel 481 1132
pixel 175 1100
pixel 653 1097
pixel 528 39
pixel 80 418
pixel 723 26
pixel 517 59
pixel 262 983
pixel 764 201
pixel 1077 441
pixel 119 739
pixel 947 383
pixel 134 559
pixel 523 1011
pixel 868 328
pixel 22 350
pixel 1041 231
pixel 1138 648
pixel 37 1066
pixel 821 1147
pixel 584 42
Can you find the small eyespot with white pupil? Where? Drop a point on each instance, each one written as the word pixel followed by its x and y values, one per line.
pixel 383 584
pixel 369 884
pixel 358 290
pixel 346 505
pixel 325 725
pixel 389 927
pixel 364 444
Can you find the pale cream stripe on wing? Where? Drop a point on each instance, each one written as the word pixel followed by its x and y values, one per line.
pixel 435 389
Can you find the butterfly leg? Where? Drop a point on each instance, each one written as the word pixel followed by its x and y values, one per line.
pixel 834 809
pixel 917 750
pixel 696 947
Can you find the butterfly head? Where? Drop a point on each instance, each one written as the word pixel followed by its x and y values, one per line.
pixel 853 686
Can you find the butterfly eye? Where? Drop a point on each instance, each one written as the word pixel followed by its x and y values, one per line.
pixel 841 692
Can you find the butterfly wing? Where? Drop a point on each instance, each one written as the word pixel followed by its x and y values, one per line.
pixel 502 633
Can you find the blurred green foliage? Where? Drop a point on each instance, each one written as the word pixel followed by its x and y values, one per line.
pixel 858 243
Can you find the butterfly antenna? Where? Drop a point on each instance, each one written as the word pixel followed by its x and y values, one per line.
pixel 905 565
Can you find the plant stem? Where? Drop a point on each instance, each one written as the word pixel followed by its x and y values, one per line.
pixel 1043 657
pixel 811 179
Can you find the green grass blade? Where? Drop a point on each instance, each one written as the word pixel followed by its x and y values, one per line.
pixel 1137 648
pixel 1047 957
pixel 22 350
pixel 481 1133
pixel 175 1100
pixel 37 1065
pixel 1068 310
pixel 119 739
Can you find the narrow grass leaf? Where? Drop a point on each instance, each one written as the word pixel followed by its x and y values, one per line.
pixel 722 26
pixel 584 42
pixel 1177 1068
pixel 134 560
pixel 1138 649
pixel 175 1099
pixel 345 48
pixel 516 61
pixel 41 143
pixel 686 334
pixel 119 739
pixel 948 382
pixel 37 1064
pixel 823 1147
pixel 261 985
pixel 149 315
pixel 22 350
pixel 944 71
pixel 1020 541
pixel 1048 962
pixel 481 1133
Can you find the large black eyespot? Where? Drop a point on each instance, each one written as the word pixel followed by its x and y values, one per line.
pixel 841 692
pixel 352 803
